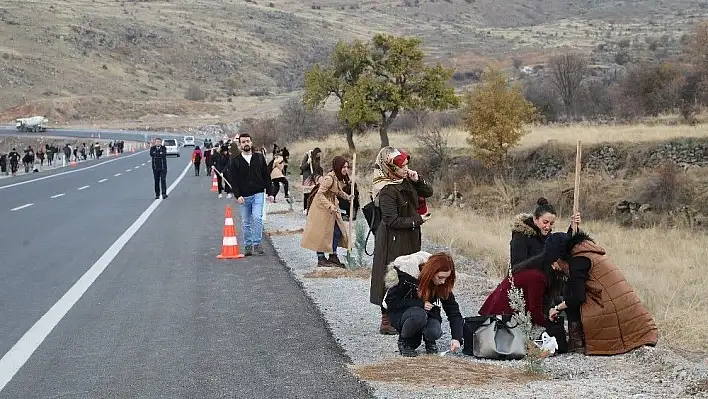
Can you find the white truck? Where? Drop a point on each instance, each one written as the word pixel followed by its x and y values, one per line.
pixel 32 124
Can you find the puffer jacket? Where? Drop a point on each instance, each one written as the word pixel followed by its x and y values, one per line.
pixel 614 319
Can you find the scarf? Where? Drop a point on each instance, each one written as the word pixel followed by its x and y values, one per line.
pixel 386 166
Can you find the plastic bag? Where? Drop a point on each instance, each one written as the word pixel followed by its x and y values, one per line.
pixel 547 343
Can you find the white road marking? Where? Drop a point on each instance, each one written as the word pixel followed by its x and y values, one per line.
pixel 21 207
pixel 57 195
pixel 128 170
pixel 18 355
pixel 117 174
pixel 83 188
pixel 70 171
pixel 102 180
pixel 142 164
pixel 137 167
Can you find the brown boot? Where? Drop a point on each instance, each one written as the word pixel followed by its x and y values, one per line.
pixel 323 262
pixel 386 328
pixel 576 340
pixel 335 261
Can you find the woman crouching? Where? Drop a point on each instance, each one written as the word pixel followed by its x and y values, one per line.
pixel 420 284
pixel 605 315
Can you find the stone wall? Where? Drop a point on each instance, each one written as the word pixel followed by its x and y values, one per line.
pixel 614 157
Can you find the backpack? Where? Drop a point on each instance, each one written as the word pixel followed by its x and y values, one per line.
pixel 197 157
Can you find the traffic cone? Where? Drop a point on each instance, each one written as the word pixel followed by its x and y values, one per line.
pixel 214 182
pixel 73 162
pixel 229 246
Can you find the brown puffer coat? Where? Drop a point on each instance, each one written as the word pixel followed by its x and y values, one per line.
pixel 614 319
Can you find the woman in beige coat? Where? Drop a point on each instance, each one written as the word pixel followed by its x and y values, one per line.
pixel 325 229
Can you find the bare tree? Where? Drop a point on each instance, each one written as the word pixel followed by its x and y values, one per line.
pixel 567 74
pixel 435 139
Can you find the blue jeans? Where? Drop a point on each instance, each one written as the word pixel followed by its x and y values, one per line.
pixel 252 219
pixel 335 239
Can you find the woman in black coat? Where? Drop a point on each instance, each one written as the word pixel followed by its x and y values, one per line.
pixel 419 285
pixel 529 231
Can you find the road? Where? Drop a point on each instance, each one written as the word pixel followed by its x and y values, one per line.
pixel 106 292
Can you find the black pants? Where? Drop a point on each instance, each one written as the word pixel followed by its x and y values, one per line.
pixel 276 184
pixel 196 168
pixel 160 177
pixel 415 321
pixel 222 185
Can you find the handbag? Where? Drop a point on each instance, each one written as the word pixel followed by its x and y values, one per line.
pixel 500 338
pixel 468 329
pixel 372 214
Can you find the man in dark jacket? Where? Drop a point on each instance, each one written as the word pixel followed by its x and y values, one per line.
pixel 248 174
pixel 158 152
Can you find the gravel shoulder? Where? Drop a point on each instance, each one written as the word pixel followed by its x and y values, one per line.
pixel 644 373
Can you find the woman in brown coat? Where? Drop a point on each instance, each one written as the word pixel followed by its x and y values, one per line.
pixel 325 229
pixel 400 195
pixel 605 315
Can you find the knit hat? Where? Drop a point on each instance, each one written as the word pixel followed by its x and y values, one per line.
pixel 555 246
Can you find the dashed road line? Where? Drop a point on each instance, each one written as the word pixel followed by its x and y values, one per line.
pixel 102 180
pixel 128 170
pixel 83 188
pixel 23 349
pixel 57 195
pixel 117 174
pixel 21 207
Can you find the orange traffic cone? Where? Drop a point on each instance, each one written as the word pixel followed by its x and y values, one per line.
pixel 73 162
pixel 214 182
pixel 229 246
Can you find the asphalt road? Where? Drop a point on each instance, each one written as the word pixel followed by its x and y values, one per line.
pixel 165 318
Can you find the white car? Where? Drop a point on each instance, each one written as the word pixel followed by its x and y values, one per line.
pixel 189 141
pixel 172 146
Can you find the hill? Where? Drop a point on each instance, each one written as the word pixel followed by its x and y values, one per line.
pixel 104 61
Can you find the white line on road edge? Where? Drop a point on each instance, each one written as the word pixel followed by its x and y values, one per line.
pixel 117 174
pixel 21 207
pixel 18 355
pixel 57 195
pixel 102 180
pixel 83 188
pixel 70 171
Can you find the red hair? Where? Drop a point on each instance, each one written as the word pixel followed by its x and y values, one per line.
pixel 439 262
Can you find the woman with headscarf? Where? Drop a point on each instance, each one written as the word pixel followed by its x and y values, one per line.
pixel 400 194
pixel 324 228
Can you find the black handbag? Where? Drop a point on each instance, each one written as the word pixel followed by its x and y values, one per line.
pixel 372 214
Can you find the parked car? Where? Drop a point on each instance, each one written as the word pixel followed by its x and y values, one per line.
pixel 172 146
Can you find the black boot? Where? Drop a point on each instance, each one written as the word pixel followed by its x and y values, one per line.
pixel 431 347
pixel 576 339
pixel 405 348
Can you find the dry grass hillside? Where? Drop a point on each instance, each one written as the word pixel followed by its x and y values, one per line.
pixel 103 61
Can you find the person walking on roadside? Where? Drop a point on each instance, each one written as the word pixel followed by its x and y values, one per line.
pixel 277 176
pixel 14 158
pixel 248 174
pixel 197 160
pixel 158 153
pixel 208 160
pixel 221 163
